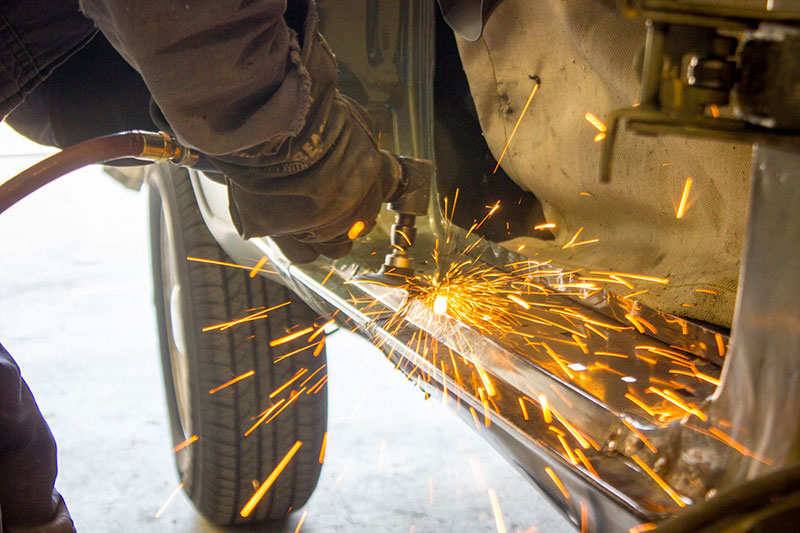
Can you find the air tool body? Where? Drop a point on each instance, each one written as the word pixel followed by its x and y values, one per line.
pixel 410 202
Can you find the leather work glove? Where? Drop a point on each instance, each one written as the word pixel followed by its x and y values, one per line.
pixel 308 191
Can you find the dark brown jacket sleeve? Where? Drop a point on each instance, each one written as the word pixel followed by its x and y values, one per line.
pixel 225 73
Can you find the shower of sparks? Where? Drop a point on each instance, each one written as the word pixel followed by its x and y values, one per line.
pixel 188 442
pixel 168 501
pixel 464 298
pixel 683 206
pixel 264 487
pixel 519 120
pixel 231 382
pixel 498 514
pixel 660 481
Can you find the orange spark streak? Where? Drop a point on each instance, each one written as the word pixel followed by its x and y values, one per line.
pixel 641 404
pixel 661 483
pixel 498 514
pixel 596 122
pixel 641 436
pixel 181 445
pixel 612 354
pixel 573 239
pixel 522 303
pixel 641 528
pixel 223 263
pixel 168 501
pixel 573 430
pixel 581 344
pixel 637 293
pixel 316 387
pixel 720 344
pixel 322 448
pixel 596 331
pixel 557 481
pixel 300 523
pixel 254 316
pixel 475 418
pixel 599 137
pixel 264 416
pixel 514 131
pixel 320 346
pixel 555 357
pixel 291 336
pixel 291 380
pixel 524 409
pixel 549 225
pixel 292 397
pixel 281 358
pixel 707 291
pixel 231 382
pixel 311 376
pixel 623 281
pixel 632 320
pixel 584 518
pixel 548 417
pixel 586 463
pixel 327 276
pixel 355 230
pixel 739 447
pixel 256 269
pixel 320 330
pixel 253 501
pixel 567 449
pixel 640 277
pixel 687 186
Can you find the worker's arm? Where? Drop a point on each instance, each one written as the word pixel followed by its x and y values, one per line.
pixel 225 73
pixel 253 86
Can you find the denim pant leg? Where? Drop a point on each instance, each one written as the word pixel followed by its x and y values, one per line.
pixel 27 452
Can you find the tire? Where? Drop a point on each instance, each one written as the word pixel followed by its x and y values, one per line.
pixel 222 468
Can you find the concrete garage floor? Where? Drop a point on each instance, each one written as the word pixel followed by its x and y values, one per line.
pixel 77 315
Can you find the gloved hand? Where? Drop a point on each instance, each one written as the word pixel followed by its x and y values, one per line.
pixel 309 190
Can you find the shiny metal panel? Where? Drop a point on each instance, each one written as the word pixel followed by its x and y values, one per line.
pixel 758 395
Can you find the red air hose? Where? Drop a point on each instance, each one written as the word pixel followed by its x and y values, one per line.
pixel 137 144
